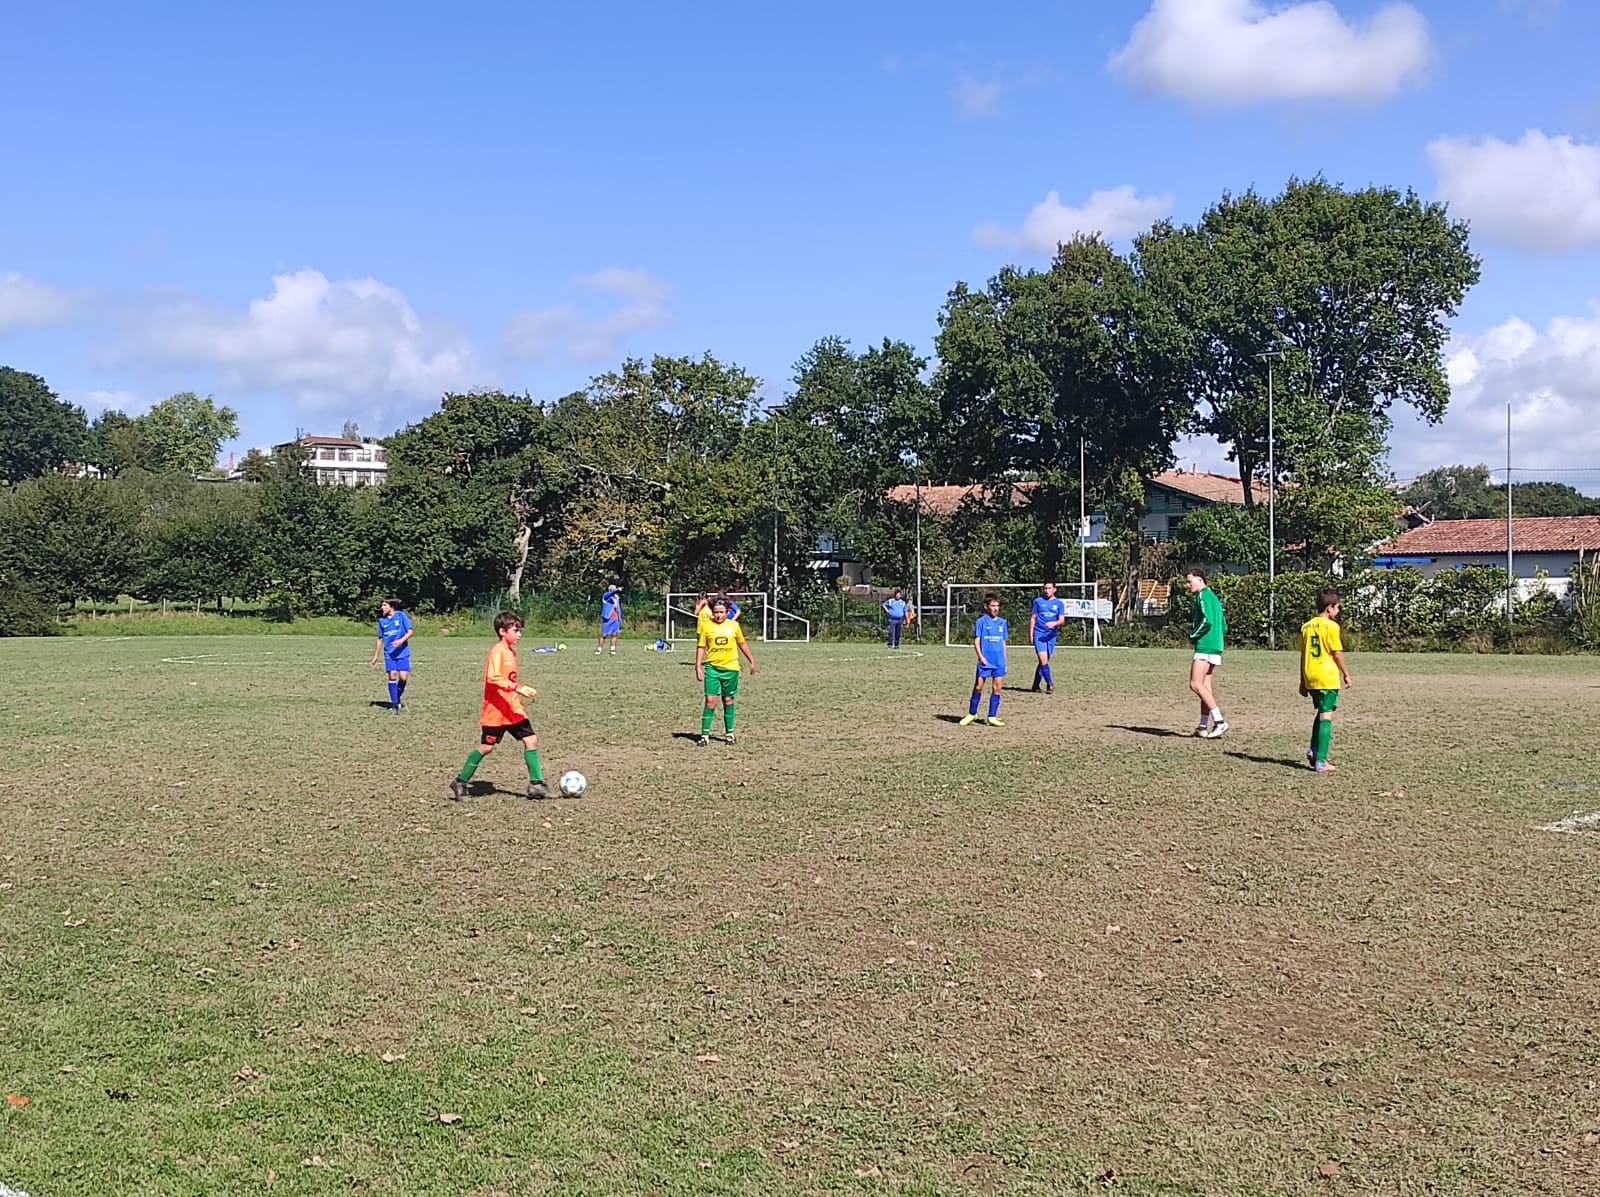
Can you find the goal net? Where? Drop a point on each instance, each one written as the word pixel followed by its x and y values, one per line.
pixel 757 614
pixel 963 603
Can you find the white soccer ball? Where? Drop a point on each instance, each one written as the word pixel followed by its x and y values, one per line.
pixel 573 783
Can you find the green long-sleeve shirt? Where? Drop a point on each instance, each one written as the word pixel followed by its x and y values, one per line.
pixel 1212 624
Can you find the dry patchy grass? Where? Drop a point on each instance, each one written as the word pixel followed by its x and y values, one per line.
pixel 244 942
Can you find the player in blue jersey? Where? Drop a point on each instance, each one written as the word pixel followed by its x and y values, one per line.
pixel 394 646
pixel 1045 620
pixel 989 635
pixel 610 619
pixel 896 608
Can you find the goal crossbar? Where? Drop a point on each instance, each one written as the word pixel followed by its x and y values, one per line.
pixel 680 615
pixel 1086 604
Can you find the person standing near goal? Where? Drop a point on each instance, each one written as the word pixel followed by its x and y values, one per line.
pixel 1210 627
pixel 896 608
pixel 716 664
pixel 989 635
pixel 1044 622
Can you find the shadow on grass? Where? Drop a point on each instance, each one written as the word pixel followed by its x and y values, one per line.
pixel 1299 765
pixel 692 737
pixel 951 718
pixel 1148 731
pixel 380 704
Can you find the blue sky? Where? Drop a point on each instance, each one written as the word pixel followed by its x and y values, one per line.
pixel 321 212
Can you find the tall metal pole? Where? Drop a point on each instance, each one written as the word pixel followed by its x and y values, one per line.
pixel 1511 577
pixel 920 613
pixel 772 632
pixel 1272 523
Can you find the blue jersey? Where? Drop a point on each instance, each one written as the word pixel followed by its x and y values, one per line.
pixel 390 629
pixel 896 608
pixel 611 607
pixel 1045 610
pixel 991 633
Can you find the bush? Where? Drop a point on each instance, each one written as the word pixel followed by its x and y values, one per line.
pixel 24 611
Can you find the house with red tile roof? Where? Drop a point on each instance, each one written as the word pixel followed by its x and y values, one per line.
pixel 1548 545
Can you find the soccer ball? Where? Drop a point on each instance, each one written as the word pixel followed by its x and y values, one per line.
pixel 573 783
pixel 561 648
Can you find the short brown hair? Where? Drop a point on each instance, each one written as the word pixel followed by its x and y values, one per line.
pixel 1196 571
pixel 990 598
pixel 506 619
pixel 1327 598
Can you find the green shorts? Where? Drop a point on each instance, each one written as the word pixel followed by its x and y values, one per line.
pixel 721 683
pixel 1326 702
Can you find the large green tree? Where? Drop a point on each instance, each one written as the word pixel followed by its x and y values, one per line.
pixel 1350 290
pixel 183 434
pixel 465 504
pixel 648 463
pixel 854 425
pixel 314 540
pixel 1039 360
pixel 38 431
pixel 116 444
pixel 73 538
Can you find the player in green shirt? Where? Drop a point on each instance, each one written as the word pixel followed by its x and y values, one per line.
pixel 1210 626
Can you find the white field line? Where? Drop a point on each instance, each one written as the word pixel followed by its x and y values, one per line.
pixel 1574 824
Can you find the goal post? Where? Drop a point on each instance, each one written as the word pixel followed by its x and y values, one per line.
pixel 757 612
pixel 963 603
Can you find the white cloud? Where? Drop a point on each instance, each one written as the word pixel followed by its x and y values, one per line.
pixel 977 97
pixel 1540 194
pixel 28 303
pixel 567 334
pixel 1118 212
pixel 1240 52
pixel 1550 378
pixel 326 343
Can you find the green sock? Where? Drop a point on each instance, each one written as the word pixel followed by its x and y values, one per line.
pixel 706 716
pixel 727 719
pixel 474 759
pixel 535 769
pixel 1324 738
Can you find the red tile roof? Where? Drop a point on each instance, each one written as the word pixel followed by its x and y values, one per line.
pixel 1533 534
pixel 946 500
pixel 1214 488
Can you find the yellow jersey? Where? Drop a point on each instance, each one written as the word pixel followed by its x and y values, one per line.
pixel 1319 640
pixel 721 642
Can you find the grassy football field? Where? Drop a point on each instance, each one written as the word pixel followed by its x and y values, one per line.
pixel 247 946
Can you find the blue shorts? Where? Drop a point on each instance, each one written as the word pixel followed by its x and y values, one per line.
pixel 1047 647
pixel 400 664
pixel 610 627
pixel 990 671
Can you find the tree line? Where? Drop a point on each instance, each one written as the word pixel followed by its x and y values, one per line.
pixel 672 472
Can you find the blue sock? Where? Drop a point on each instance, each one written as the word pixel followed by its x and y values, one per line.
pixel 994 705
pixel 972 707
pixel 1045 670
pixel 1038 675
pixel 394 694
pixel 401 692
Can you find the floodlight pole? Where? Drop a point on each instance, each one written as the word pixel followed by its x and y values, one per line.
pixel 1511 576
pixel 772 631
pixel 1083 531
pixel 1272 523
pixel 920 612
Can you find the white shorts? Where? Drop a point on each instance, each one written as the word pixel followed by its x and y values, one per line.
pixel 1211 659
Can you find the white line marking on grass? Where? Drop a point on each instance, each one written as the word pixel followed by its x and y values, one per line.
pixel 1574 824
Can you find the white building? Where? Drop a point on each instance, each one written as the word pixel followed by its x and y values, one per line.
pixel 1540 545
pixel 336 461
